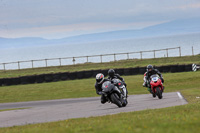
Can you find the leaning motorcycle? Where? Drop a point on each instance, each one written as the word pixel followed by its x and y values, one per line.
pixel 113 94
pixel 156 86
pixel 122 88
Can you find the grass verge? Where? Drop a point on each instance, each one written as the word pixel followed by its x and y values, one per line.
pixel 12 109
pixel 96 66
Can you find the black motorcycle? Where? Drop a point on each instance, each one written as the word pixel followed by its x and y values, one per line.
pixel 113 94
pixel 122 88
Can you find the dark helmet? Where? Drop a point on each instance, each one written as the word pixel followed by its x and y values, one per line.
pixel 111 72
pixel 99 78
pixel 149 68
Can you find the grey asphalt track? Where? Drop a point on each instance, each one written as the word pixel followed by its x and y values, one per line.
pixel 55 110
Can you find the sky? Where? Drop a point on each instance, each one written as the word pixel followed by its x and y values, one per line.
pixel 54 19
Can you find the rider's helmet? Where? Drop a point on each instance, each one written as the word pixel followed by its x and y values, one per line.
pixel 149 68
pixel 99 78
pixel 111 72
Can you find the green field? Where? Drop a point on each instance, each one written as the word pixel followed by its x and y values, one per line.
pixel 85 87
pixel 96 66
pixel 177 119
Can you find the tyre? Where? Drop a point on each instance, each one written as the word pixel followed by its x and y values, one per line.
pixel 159 92
pixel 125 103
pixel 116 99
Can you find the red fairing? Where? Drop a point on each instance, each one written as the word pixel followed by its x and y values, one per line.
pixel 156 84
pixel 145 73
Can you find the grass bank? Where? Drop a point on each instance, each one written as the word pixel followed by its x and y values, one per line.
pixel 85 87
pixel 96 66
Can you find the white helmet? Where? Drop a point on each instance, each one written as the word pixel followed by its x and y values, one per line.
pixel 99 78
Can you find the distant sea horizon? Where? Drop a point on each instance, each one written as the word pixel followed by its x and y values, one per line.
pixel 185 41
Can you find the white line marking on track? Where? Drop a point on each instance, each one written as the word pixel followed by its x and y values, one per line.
pixel 179 95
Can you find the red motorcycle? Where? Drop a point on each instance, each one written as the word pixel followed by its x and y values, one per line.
pixel 156 86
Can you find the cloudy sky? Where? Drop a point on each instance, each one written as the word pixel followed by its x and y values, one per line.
pixel 62 18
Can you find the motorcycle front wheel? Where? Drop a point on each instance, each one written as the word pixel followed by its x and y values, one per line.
pixel 159 92
pixel 116 99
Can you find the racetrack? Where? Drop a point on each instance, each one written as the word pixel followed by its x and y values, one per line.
pixel 55 110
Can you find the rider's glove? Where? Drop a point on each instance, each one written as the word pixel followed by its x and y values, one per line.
pixel 162 80
pixel 125 84
pixel 100 93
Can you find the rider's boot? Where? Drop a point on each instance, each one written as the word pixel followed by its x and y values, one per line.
pixel 163 88
pixel 149 89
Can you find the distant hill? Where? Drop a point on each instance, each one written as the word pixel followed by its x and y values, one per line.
pixel 21 42
pixel 183 26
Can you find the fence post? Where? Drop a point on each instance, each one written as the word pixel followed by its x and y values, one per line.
pixel 154 53
pixel 114 57
pixel 60 62
pixel 18 65
pixel 101 58
pixel 180 51
pixel 167 52
pixel 192 51
pixel 4 66
pixel 73 60
pixel 32 63
pixel 127 55
pixel 141 55
pixel 46 62
pixel 87 59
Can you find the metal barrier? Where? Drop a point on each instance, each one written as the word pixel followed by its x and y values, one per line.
pixel 86 58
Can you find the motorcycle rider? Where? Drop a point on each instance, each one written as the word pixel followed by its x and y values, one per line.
pixel 113 75
pixel 150 71
pixel 98 86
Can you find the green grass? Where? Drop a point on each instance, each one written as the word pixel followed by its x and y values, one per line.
pixel 95 66
pixel 184 119
pixel 177 119
pixel 85 87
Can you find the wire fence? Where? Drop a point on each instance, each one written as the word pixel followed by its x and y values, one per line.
pixel 91 58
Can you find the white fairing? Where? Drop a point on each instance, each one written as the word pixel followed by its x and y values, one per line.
pixel 144 79
pixel 124 89
pixel 117 89
pixel 155 79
